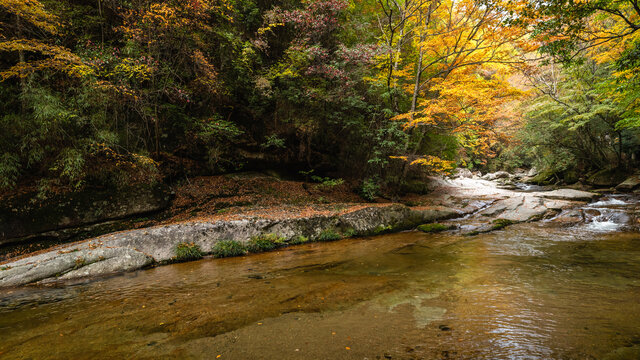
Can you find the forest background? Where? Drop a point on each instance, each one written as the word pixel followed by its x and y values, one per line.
pixel 109 93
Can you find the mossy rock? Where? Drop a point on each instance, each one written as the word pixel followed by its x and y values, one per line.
pixel 329 235
pixel 571 176
pixel 433 228
pixel 543 178
pixel 607 178
pixel 498 224
pixel 416 187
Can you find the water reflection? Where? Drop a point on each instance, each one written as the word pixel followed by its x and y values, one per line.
pixel 521 293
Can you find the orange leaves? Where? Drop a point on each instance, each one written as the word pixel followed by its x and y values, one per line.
pixel 463 56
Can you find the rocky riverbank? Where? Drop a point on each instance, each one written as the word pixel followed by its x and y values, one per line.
pixel 482 204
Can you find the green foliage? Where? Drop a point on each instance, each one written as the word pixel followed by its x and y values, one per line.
pixel 9 170
pixel 381 229
pixel 273 141
pixel 298 240
pixel 573 128
pixel 433 228
pixel 228 248
pixel 265 242
pixel 187 252
pixel 349 233
pixel 326 181
pixel 370 188
pixel 329 235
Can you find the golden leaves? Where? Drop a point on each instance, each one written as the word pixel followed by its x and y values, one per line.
pixel 60 59
pixel 33 12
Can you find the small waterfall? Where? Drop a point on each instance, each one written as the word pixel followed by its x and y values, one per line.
pixel 608 214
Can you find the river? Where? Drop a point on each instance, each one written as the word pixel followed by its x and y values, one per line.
pixel 530 291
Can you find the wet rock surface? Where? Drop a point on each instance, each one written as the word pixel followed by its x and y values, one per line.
pixel 478 205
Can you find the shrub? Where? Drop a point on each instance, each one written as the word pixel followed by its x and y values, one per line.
pixel 228 248
pixel 329 235
pixel 300 239
pixel 327 181
pixel 350 232
pixel 188 251
pixel 433 228
pixel 265 242
pixel 369 189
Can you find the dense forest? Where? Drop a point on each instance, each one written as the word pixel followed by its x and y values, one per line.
pixel 104 93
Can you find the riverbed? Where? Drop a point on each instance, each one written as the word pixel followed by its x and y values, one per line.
pixel 526 292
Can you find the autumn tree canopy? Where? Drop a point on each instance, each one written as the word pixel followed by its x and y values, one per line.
pixel 105 93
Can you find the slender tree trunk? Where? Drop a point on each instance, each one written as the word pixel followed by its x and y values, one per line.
pixel 23 79
pixel 416 85
pixel 101 24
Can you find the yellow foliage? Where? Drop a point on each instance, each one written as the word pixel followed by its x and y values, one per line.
pixel 33 12
pixel 60 59
pixel 434 164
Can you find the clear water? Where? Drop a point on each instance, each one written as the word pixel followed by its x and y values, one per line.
pixel 526 292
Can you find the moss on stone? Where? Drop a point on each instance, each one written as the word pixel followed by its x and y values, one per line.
pixel 433 228
pixel 498 224
pixel 381 229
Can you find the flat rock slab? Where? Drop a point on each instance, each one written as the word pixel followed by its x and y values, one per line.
pixel 136 249
pixel 568 194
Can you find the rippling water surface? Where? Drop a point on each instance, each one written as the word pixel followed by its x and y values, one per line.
pixel 526 292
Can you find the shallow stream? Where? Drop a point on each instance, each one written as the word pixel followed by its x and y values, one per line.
pixel 530 291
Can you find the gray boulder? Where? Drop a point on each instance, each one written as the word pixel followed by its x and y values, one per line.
pixel 631 183
pixel 569 194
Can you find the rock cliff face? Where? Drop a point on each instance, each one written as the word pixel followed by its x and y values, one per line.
pixel 21 219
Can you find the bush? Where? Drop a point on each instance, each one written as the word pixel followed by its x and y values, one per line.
pixel 370 188
pixel 188 251
pixel 228 248
pixel 265 242
pixel 300 239
pixel 329 235
pixel 350 232
pixel 432 228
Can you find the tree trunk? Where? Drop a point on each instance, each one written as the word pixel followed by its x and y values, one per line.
pixel 23 79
